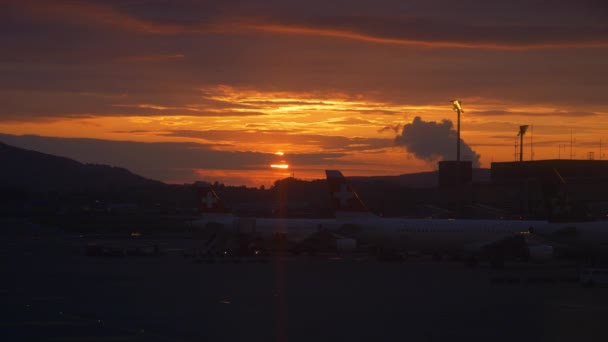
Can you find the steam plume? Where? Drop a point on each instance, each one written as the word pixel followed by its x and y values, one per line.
pixel 433 141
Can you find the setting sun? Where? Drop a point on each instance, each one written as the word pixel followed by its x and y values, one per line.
pixel 209 143
pixel 345 90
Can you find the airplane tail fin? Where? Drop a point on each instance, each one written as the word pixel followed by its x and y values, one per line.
pixel 344 198
pixel 209 201
pixel 558 205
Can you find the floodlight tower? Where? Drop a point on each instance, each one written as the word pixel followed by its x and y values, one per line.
pixel 522 131
pixel 458 108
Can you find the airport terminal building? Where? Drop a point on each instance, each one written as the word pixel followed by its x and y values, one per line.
pixel 525 189
pixel 584 182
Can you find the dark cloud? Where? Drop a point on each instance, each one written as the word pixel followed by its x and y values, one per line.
pixel 164 161
pixel 470 24
pixel 395 128
pixel 446 33
pixel 29 104
pixel 55 53
pixel 433 141
pixel 332 143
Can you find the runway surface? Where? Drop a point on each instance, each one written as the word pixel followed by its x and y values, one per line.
pixel 51 291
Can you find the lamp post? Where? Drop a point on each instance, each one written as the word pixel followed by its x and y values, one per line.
pixel 522 131
pixel 458 108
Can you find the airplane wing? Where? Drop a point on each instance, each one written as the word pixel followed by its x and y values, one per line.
pixel 516 246
pixel 510 246
pixel 326 241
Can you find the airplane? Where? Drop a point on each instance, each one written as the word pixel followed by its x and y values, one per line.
pixel 296 235
pixel 493 239
pixel 214 225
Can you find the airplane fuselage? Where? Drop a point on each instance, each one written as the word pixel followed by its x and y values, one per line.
pixel 436 235
pixel 294 229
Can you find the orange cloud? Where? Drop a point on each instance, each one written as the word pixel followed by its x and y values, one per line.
pixel 293 103
pixel 361 36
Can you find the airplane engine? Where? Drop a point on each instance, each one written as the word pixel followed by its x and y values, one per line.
pixel 540 252
pixel 346 245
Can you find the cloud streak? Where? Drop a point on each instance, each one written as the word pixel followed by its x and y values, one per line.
pixel 297 140
pixel 87 13
pixel 554 113
pixel 413 28
pixel 490 41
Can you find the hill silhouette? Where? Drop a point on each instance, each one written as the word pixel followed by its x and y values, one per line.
pixel 35 182
pixel 420 180
pixel 36 171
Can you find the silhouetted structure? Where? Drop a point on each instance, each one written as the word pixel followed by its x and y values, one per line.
pixel 455 173
pixel 509 172
pixel 458 108
pixel 522 132
pixel 578 186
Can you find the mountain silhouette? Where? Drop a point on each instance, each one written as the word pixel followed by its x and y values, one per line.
pixel 43 172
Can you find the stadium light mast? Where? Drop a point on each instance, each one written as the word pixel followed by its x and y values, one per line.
pixel 458 108
pixel 522 131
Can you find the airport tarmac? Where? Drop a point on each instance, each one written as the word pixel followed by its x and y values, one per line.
pixel 51 291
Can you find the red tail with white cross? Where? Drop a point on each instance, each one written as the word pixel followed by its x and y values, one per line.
pixel 343 196
pixel 209 202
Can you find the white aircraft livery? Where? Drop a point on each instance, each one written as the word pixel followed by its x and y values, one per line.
pixel 496 239
pixel 297 234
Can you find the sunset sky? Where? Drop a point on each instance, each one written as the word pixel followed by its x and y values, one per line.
pixel 211 90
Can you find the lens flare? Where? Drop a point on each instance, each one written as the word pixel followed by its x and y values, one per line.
pixel 279 166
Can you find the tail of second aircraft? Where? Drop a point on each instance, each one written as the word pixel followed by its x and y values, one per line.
pixel 556 197
pixel 344 198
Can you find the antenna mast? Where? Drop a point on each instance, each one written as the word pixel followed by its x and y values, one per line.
pixel 571 155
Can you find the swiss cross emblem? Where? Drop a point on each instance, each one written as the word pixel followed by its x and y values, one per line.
pixel 209 200
pixel 343 195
